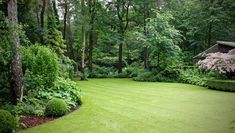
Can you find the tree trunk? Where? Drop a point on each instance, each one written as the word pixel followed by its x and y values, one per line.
pixel 65 19
pixel 16 65
pixel 120 56
pixel 209 35
pixel 146 15
pixel 83 43
pixel 92 10
pixel 42 13
pixel 91 46
pixel 83 52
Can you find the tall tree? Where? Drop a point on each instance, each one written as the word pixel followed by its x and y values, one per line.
pixel 16 65
pixel 92 12
pixel 83 41
pixel 122 11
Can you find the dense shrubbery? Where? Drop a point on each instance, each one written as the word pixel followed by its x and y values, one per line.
pixel 225 85
pixel 193 76
pixel 56 107
pixel 223 63
pixel 30 106
pixel 41 65
pixel 7 122
pixel 41 76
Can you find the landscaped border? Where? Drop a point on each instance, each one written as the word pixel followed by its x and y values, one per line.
pixel 224 85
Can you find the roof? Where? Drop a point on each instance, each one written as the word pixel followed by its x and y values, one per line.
pixel 214 48
pixel 231 44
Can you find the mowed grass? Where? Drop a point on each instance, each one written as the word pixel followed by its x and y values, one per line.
pixel 126 106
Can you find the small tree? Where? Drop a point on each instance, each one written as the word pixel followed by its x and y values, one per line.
pixel 223 63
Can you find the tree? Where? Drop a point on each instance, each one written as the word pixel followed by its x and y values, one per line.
pixel 92 12
pixel 223 63
pixel 16 65
pixel 122 11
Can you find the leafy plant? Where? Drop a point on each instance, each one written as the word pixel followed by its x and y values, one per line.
pixel 41 63
pixel 7 122
pixel 56 107
pixel 224 63
pixel 193 76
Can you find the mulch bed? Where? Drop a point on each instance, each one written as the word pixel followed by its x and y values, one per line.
pixel 32 121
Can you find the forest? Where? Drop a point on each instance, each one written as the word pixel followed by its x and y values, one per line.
pixel 50 48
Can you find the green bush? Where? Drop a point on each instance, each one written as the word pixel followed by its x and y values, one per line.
pixel 56 107
pixel 41 62
pixel 63 89
pixel 144 75
pixel 224 85
pixel 7 122
pixel 193 76
pixel 30 106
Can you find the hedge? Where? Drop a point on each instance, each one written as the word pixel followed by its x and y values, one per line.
pixel 224 85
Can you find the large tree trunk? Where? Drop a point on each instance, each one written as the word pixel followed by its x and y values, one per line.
pixel 16 66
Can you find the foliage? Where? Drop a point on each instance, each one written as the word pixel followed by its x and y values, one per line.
pixel 66 70
pixel 162 39
pixel 224 63
pixel 224 85
pixel 193 76
pixel 40 65
pixel 56 107
pixel 144 75
pixel 7 122
pixel 63 89
pixel 30 106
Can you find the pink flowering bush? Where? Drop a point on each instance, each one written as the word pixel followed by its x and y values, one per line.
pixel 224 63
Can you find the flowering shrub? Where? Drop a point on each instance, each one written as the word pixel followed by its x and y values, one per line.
pixel 224 63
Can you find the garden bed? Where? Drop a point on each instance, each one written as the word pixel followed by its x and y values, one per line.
pixel 32 121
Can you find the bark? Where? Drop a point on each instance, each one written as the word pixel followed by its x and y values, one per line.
pixel 92 9
pixel 122 12
pixel 146 55
pixel 43 14
pixel 65 18
pixel 16 65
pixel 209 35
pixel 83 44
pixel 83 52
pixel 91 46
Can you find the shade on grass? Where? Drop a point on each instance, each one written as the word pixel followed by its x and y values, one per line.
pixel 126 106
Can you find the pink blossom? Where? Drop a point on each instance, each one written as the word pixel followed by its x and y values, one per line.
pixel 221 62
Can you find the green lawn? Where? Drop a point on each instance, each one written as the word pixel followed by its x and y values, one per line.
pixel 126 106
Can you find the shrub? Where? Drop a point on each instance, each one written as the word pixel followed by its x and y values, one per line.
pixel 192 76
pixel 144 75
pixel 41 62
pixel 56 107
pixel 225 85
pixel 223 63
pixel 7 122
pixel 30 106
pixel 63 89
